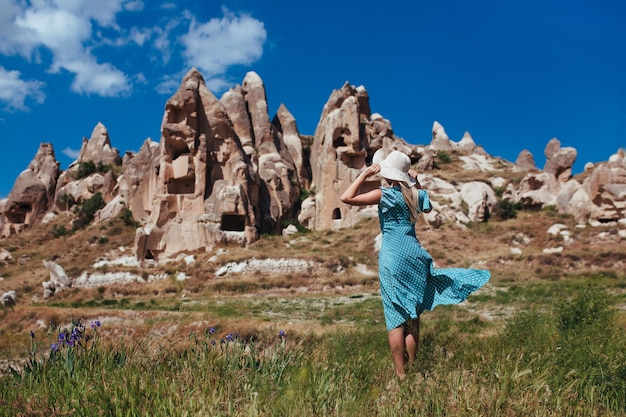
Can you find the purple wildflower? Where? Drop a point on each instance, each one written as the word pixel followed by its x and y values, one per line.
pixel 212 330
pixel 212 342
pixel 229 337
pixel 54 347
pixel 95 324
pixel 32 334
pixel 281 333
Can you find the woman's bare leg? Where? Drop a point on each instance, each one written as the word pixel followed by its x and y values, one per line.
pixel 412 337
pixel 398 347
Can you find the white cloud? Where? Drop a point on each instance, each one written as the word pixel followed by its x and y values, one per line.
pixel 217 84
pixel 219 43
pixel 73 36
pixel 139 36
pixel 168 85
pixel 134 6
pixel 14 91
pixel 64 27
pixel 71 153
pixel 102 79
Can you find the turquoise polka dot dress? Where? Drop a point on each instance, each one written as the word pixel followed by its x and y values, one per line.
pixel 409 284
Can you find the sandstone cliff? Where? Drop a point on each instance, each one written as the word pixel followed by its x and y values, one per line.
pixel 223 171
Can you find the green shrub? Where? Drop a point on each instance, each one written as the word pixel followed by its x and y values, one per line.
pixel 66 201
pixel 505 209
pixel 86 211
pixel 85 169
pixel 127 217
pixel 58 231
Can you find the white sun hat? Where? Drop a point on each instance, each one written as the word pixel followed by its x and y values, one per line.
pixel 395 166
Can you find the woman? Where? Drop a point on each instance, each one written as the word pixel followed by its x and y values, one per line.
pixel 409 284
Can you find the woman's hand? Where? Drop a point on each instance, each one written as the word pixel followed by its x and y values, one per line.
pixel 351 194
pixel 413 174
pixel 371 170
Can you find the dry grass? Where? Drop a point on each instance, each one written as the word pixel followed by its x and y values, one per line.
pixel 593 252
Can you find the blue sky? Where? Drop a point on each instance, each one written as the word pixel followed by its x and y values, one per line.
pixel 513 74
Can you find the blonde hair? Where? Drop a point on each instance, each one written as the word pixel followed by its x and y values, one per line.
pixel 411 198
pixel 410 195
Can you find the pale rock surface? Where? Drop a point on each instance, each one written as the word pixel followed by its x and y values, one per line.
pixel 572 199
pixel 538 190
pixel 32 195
pixel 5 256
pixel 557 229
pixel 138 185
pixel 345 140
pixel 440 140
pixel 466 144
pixel 426 160
pixel 558 249
pixel 111 210
pixel 253 90
pixel 498 182
pixel 606 188
pixel 441 189
pixel 559 161
pixel 480 199
pixel 9 299
pixel 98 148
pixel 94 280
pixel 58 279
pixel 525 162
pixel 477 162
pixel 212 199
pixel 255 266
pixel 235 105
pixel 290 230
pixel 286 125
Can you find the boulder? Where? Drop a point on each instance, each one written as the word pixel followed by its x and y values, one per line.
pixel 538 190
pixel 480 199
pixel 559 161
pixel 525 162
pixel 58 279
pixel 606 188
pixel 9 299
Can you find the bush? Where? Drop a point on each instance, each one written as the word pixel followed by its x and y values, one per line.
pixel 87 210
pixel 67 201
pixel 58 231
pixel 505 209
pixel 85 169
pixel 128 219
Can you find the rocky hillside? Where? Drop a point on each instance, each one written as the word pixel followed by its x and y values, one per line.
pixel 224 174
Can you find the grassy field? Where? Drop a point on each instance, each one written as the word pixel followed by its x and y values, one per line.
pixel 545 337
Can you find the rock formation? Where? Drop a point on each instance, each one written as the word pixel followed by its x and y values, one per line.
pixel 525 162
pixel 32 195
pixel 559 161
pixel 606 189
pixel 223 171
pixel 98 148
pixel 440 140
pixel 345 140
